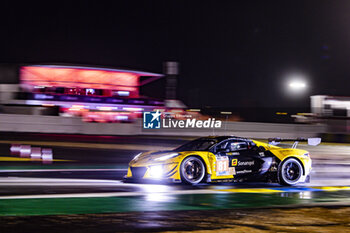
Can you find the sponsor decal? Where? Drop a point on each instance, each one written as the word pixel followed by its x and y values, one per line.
pixel 234 162
pixel 246 163
pixel 233 153
pixel 244 171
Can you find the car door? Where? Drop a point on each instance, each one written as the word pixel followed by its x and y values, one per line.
pixel 242 159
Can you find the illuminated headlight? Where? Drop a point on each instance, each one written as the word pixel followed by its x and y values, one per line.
pixel 156 171
pixel 167 156
pixel 137 156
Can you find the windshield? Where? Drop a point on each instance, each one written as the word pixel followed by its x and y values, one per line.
pixel 202 144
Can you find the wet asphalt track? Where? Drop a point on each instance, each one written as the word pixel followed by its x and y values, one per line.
pixel 90 182
pixel 331 164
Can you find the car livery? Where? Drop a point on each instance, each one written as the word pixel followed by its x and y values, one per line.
pixel 225 159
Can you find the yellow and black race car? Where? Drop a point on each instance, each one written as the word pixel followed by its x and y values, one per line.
pixel 225 158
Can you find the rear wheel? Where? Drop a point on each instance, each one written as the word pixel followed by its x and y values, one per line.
pixel 290 172
pixel 192 170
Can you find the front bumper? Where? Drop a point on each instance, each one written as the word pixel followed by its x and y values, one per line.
pixel 154 172
pixel 305 179
pixel 150 180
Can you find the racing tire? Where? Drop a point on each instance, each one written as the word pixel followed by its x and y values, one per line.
pixel 192 170
pixel 290 172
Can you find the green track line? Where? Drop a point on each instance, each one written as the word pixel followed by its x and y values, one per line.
pixel 160 202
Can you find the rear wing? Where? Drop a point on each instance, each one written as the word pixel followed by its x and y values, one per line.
pixel 310 141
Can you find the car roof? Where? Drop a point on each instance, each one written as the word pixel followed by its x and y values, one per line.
pixel 222 138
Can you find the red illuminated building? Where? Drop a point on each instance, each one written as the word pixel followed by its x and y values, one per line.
pixel 85 80
pixel 97 94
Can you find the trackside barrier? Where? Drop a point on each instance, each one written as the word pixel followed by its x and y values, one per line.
pixel 34 153
pixel 46 155
pixel 25 151
pixel 14 149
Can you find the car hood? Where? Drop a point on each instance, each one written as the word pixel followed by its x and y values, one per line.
pixel 149 157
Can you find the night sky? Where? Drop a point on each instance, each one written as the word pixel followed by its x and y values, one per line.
pixel 232 53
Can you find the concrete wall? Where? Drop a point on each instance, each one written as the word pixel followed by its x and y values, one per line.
pixel 71 125
pixel 249 129
pixel 42 124
pixel 8 92
pixel 30 110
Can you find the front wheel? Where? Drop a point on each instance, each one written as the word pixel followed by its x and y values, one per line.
pixel 192 170
pixel 290 172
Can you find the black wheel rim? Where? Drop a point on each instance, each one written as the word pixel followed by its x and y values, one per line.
pixel 291 171
pixel 193 170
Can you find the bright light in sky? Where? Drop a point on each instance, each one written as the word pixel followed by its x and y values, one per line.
pixel 297 85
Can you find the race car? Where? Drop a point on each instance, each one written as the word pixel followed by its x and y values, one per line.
pixel 225 159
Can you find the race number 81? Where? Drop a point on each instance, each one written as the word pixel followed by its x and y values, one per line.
pixel 222 165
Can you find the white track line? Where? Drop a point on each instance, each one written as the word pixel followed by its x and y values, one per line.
pixel 113 194
pixel 28 181
pixel 51 181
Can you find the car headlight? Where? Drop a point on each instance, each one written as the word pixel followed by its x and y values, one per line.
pixel 167 156
pixel 156 171
pixel 137 156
